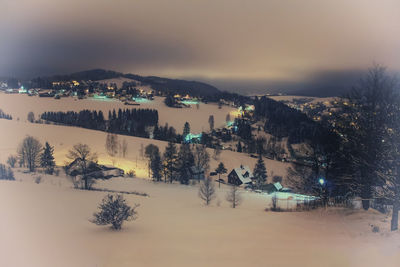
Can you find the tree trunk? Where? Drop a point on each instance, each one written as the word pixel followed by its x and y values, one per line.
pixel 86 182
pixel 365 204
pixel 366 194
pixel 395 216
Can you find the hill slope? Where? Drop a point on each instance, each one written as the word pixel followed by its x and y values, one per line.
pixel 157 83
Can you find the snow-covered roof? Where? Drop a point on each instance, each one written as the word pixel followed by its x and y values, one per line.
pixel 244 173
pixel 278 186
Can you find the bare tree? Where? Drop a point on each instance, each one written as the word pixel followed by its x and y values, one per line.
pixel 217 152
pixel 301 178
pixel 29 152
pixel 202 158
pixel 141 151
pixel 390 173
pixel 124 148
pixel 363 123
pixel 207 190
pixel 83 157
pixel 112 144
pixel 233 196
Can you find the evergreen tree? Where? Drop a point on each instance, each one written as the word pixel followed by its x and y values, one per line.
pixel 169 161
pixel 220 170
pixel 260 173
pixel 156 166
pixel 239 147
pixel 47 159
pixel 211 122
pixel 184 163
pixel 186 130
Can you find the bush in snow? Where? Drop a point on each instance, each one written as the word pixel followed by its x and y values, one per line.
pixel 131 173
pixel 114 211
pixel 6 173
pixel 38 179
pixel 11 161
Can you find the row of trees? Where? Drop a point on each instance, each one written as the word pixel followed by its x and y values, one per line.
pixel 4 115
pixel 176 164
pixel 129 121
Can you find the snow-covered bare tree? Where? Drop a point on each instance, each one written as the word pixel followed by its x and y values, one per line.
pixel 207 190
pixel 83 157
pixel 233 196
pixel 201 157
pixel 112 144
pixel 29 152
pixel 124 148
pixel 363 122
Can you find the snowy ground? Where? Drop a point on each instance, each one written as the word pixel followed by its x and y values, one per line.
pixel 47 224
pixel 64 137
pixel 20 105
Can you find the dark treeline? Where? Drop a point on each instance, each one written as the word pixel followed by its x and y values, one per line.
pixel 283 121
pixel 129 121
pixel 238 100
pixel 5 116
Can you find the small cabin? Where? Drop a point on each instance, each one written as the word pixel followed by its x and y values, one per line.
pixel 241 175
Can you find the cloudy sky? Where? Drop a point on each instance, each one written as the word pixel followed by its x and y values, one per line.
pixel 254 44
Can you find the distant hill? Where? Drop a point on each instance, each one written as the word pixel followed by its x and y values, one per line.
pixel 157 83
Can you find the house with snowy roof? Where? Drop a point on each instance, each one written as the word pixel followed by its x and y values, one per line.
pixel 241 175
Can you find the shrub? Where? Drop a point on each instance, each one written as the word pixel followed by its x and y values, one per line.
pixel 131 173
pixel 38 179
pixel 375 229
pixel 6 173
pixel 114 211
pixel 12 160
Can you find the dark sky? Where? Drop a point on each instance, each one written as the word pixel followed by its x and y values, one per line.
pixel 248 45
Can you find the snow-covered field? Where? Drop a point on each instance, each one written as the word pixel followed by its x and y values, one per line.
pixel 64 137
pixel 47 224
pixel 20 105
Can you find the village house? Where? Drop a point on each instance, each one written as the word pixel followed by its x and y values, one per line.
pixel 241 175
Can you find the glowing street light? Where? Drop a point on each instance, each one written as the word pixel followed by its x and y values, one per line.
pixel 321 181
